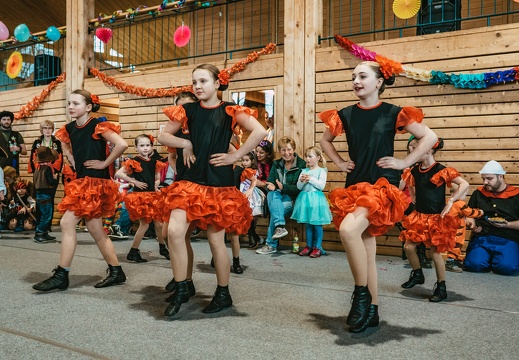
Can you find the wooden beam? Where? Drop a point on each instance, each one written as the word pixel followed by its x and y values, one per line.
pixel 79 51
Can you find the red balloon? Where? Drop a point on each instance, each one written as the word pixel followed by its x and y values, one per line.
pixel 104 34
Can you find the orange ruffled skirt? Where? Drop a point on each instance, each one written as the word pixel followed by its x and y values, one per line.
pixel 385 203
pixel 222 207
pixel 431 229
pixel 90 198
pixel 144 205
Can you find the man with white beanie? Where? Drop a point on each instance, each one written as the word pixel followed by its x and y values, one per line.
pixel 495 237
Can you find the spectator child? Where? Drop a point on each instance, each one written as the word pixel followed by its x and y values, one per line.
pixel 22 207
pixel 45 181
pixel 248 178
pixel 311 207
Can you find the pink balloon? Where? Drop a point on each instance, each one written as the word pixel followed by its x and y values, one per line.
pixel 4 31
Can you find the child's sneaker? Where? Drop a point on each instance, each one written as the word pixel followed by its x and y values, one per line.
pixel 267 249
pixel 306 251
pixel 116 233
pixel 453 266
pixel 315 253
pixel 279 233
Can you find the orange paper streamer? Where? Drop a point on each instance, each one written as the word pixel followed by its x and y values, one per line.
pixel 27 109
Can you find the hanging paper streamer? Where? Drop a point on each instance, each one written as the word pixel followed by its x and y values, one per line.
pixel 104 34
pixel 462 81
pixel 27 109
pixel 406 9
pixel 182 35
pixel 14 65
pixel 224 77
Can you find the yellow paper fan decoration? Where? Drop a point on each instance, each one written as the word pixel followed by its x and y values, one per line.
pixel 405 9
pixel 14 65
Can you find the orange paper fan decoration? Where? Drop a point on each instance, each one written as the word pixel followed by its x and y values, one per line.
pixel 405 9
pixel 14 65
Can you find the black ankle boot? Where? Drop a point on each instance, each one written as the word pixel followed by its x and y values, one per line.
pixel 253 243
pixel 181 296
pixel 115 276
pixel 57 281
pixel 361 299
pixel 46 236
pixel 135 255
pixel 420 251
pixel 236 267
pixel 163 250
pixel 171 286
pixel 440 292
pixel 371 321
pixel 416 278
pixel 221 300
pixel 40 239
pixel 190 288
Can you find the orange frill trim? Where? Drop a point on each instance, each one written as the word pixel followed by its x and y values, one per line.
pixel 408 178
pixel 159 166
pixel 90 198
pixel 445 176
pixel 221 207
pixel 144 205
pixel 406 116
pixel 247 174
pixel 177 113
pixel 333 122
pixel 105 126
pixel 385 203
pixel 68 174
pixel 62 135
pixel 233 109
pixel 132 166
pixel 509 192
pixel 431 229
pixel 171 150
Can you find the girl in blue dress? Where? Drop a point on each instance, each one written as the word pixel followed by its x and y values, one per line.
pixel 311 207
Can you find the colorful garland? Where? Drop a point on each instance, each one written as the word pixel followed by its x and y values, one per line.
pixel 224 77
pixel 461 81
pixel 26 110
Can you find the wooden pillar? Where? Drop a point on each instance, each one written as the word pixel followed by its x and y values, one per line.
pixel 79 51
pixel 303 25
pixel 294 74
pixel 313 29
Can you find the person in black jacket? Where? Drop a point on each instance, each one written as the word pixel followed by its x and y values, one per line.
pixel 11 143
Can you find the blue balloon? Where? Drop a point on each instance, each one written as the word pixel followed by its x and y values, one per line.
pixel 22 33
pixel 53 33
